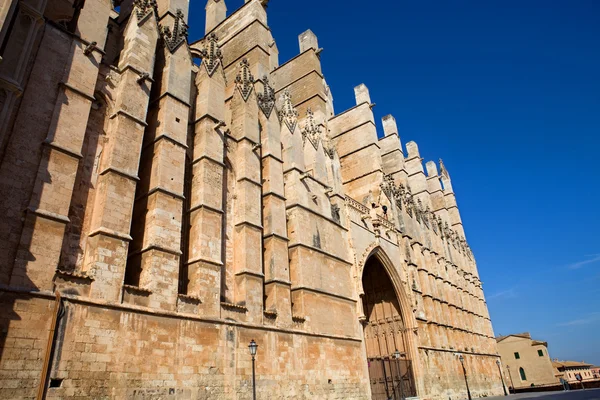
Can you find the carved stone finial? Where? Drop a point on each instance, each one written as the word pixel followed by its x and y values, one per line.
pixel 173 39
pixel 434 222
pixel 447 232
pixel 288 113
pixel 329 149
pixel 420 211
pixel 388 186
pixel 212 54
pixel 244 81
pixel 312 130
pixel 409 201
pixel 266 99
pixel 144 8
pixel 443 169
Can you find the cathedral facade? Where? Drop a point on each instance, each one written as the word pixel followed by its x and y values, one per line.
pixel 164 203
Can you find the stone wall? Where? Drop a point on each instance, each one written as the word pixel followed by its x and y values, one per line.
pixel 183 208
pixel 126 352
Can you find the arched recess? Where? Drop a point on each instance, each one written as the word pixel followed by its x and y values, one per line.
pixel 522 374
pixel 389 325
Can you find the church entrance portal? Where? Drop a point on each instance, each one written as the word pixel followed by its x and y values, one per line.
pixel 391 376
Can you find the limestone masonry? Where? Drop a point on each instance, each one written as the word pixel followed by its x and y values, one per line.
pixel 163 203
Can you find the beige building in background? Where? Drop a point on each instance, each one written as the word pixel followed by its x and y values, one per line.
pixel 568 370
pixel 165 202
pixel 526 361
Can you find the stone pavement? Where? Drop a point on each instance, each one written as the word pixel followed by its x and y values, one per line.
pixel 588 394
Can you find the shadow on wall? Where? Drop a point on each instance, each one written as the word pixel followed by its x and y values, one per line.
pixel 32 168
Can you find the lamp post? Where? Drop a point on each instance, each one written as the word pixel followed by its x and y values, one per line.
pixel 501 377
pixel 510 376
pixel 397 357
pixel 253 346
pixel 462 362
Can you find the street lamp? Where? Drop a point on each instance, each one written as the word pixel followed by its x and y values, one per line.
pixel 397 355
pixel 510 376
pixel 462 362
pixel 253 346
pixel 501 377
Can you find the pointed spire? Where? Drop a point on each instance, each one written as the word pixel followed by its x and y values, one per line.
pixel 266 99
pixel 173 39
pixel 312 130
pixel 212 54
pixel 443 169
pixel 216 12
pixel 244 80
pixel 288 113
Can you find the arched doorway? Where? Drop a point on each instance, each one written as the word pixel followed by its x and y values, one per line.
pixel 390 368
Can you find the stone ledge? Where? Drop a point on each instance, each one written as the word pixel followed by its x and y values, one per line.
pixel 50 296
pixel 62 149
pixel 74 275
pixel 234 307
pixel 189 298
pixel 49 215
pixel 137 290
pixel 297 319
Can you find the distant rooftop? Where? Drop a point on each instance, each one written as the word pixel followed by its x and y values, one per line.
pixel 525 335
pixel 569 364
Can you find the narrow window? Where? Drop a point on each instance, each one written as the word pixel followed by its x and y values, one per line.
pixel 522 373
pixel 541 353
pixel 517 356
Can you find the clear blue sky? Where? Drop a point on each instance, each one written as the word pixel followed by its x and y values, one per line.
pixel 508 94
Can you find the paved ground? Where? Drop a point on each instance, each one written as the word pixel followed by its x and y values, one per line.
pixel 588 394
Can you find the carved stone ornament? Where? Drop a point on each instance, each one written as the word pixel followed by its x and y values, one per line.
pixel 143 8
pixel 419 210
pixel 399 195
pixel 443 169
pixel 212 56
pixel 329 149
pixel 409 201
pixel 174 39
pixel 288 113
pixel 447 232
pixel 434 222
pixel 266 99
pixel 312 130
pixel 244 81
pixel 335 213
pixel 388 186
pixel 426 214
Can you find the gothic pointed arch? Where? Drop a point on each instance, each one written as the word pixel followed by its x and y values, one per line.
pixel 389 327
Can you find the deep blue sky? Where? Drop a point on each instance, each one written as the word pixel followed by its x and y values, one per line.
pixel 508 94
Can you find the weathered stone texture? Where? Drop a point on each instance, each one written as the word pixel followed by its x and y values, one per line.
pixel 181 210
